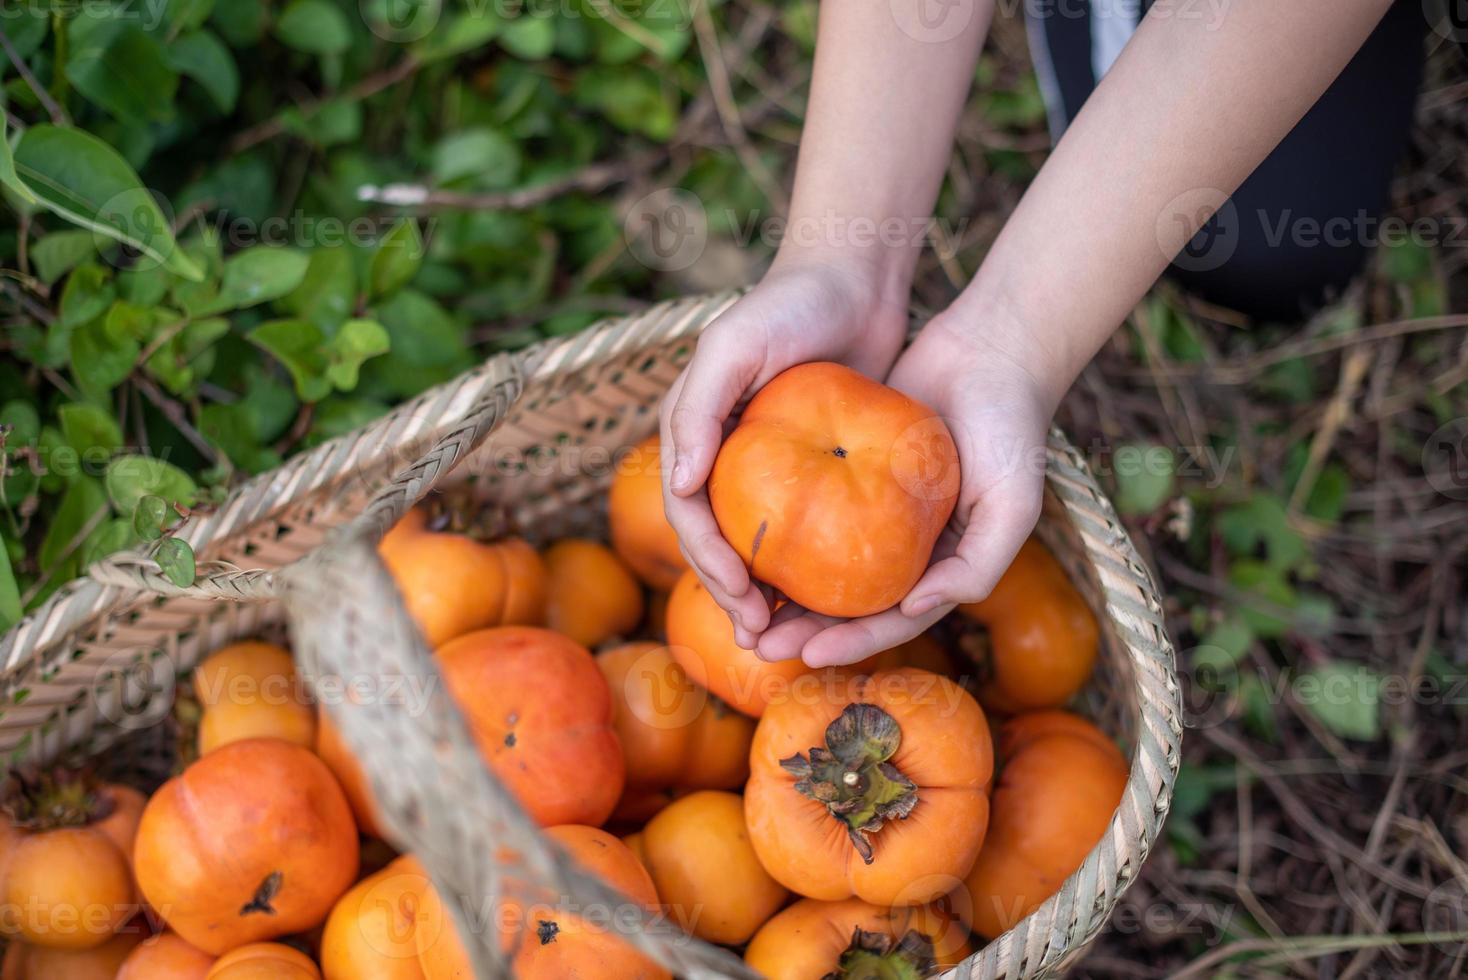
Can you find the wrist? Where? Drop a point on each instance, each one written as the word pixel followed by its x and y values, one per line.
pixel 986 338
pixel 875 268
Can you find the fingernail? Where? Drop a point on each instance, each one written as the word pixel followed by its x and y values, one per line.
pixel 926 604
pixel 680 472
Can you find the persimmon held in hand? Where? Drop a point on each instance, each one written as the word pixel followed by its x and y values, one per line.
pixel 640 530
pixel 1060 781
pixel 673 732
pixel 252 841
pixel 541 713
pixel 707 874
pixel 834 488
pixel 880 792
pixel 812 940
pixel 1043 638
pixel 701 639
pixel 593 597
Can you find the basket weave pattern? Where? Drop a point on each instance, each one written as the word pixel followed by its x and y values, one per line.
pixel 533 435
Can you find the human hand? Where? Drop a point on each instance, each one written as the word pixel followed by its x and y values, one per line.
pixel 997 403
pixel 832 309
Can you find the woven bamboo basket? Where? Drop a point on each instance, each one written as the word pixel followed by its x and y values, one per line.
pixel 533 435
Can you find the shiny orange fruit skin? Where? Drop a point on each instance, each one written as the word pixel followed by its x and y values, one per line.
pixel 640 531
pixel 834 488
pixel 250 690
pixel 672 731
pixel 593 597
pixel 556 945
pixel 806 940
pixel 1053 800
pixel 69 888
pixel 244 817
pixel 371 934
pixel 945 749
pixel 25 962
pixel 701 639
pixel 698 852
pixel 527 583
pixel 166 956
pixel 1043 638
pixel 541 713
pixel 349 773
pixel 264 961
pixel 450 583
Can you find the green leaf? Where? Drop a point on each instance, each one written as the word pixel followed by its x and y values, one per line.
pixel 61 251
pixel 188 355
pixel 125 71
pixel 113 536
pixel 397 259
pixel 132 477
pixel 10 610
pixel 633 97
pixel 99 360
pixel 89 184
pixel 1344 697
pixel 314 26
pixel 176 559
pixel 8 177
pixel 150 517
pixel 1144 477
pixel 327 293
pixel 462 32
pixel 258 275
pixel 354 343
pixel 299 345
pixel 87 294
pixel 88 428
pixel 1232 636
pixel 487 155
pixel 241 22
pixel 529 36
pixel 81 505
pixel 204 58
pixel 1263 519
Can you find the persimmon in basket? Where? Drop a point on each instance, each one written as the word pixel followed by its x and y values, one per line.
pixel 66 844
pixel 1060 780
pixel 811 940
pixel 640 530
pixel 879 791
pixel 833 488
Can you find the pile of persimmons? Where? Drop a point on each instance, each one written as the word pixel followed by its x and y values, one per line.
pixel 874 820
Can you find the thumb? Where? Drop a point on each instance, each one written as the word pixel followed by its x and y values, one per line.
pixel 714 381
pixel 989 543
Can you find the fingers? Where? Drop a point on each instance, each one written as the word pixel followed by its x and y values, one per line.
pixel 723 367
pixel 791 629
pixel 996 528
pixel 857 639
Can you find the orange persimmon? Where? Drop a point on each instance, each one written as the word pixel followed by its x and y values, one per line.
pixel 1060 781
pixel 592 597
pixel 264 961
pixel 1043 638
pixel 166 956
pixel 833 488
pixel 372 930
pixel 348 772
pixel 698 852
pixel 252 841
pixel 812 939
pixel 102 962
pixel 250 690
pixel 878 793
pixel 640 531
pixel 541 713
pixel 701 639
pixel 673 732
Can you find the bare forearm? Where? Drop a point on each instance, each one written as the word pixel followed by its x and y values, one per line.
pixel 1185 115
pixel 885 99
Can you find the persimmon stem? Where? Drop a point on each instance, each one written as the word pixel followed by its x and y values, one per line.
pixel 851 777
pixel 879 956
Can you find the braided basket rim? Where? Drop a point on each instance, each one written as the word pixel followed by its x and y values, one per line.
pixel 1046 941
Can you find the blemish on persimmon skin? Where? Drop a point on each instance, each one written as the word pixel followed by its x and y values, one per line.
pixel 546 931
pixel 839 452
pixel 759 537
